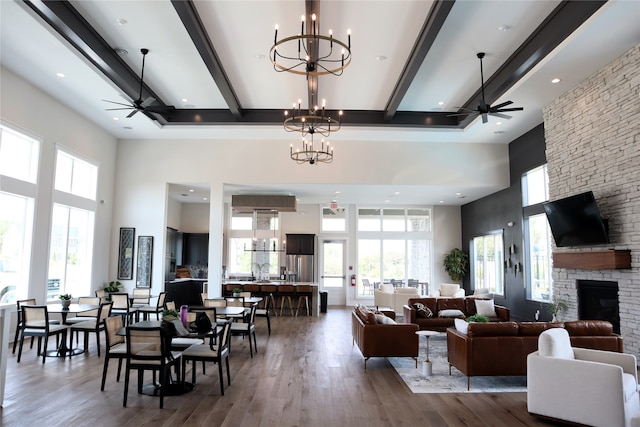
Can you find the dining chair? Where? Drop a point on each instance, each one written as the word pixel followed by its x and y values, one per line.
pixel 122 306
pixel 303 294
pixel 247 328
pixel 237 302
pixel 116 345
pixel 265 311
pixel 151 309
pixel 148 350
pixel 170 305
pixel 141 297
pixel 102 294
pixel 210 353
pixel 19 323
pixel 85 315
pixel 36 324
pixel 95 325
pixel 217 302
pixel 366 286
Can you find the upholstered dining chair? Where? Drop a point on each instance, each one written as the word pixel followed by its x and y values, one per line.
pixel 92 326
pixel 116 346
pixel 237 302
pixel 141 297
pixel 102 294
pixel 147 350
pixel 36 324
pixel 122 306
pixel 19 323
pixel 265 311
pixel 156 309
pixel 85 315
pixel 210 353
pixel 247 328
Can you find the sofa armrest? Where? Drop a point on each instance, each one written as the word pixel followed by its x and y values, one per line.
pixel 409 314
pixel 625 360
pixel 459 293
pixel 503 313
pixel 565 388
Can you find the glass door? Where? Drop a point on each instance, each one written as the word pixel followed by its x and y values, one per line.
pixel 332 271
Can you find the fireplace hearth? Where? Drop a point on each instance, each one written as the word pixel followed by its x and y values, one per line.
pixel 598 300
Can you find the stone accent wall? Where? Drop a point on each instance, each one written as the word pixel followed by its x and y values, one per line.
pixel 593 143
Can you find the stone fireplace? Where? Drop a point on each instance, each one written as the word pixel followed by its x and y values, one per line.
pixel 598 300
pixel 591 146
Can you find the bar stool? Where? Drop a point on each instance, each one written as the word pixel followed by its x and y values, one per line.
pixel 285 292
pixel 303 293
pixel 268 294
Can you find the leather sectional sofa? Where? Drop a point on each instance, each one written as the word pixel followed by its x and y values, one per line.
pixel 502 348
pixel 387 339
pixel 466 305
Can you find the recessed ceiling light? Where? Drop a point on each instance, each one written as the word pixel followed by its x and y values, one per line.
pixel 260 56
pixel 380 58
pixel 121 21
pixel 556 80
pixel 116 119
pixel 457 194
pixel 60 74
pixel 204 198
pixel 441 103
pixel 121 51
pixel 504 28
pixel 498 123
pixel 191 191
pixel 185 100
pixel 337 192
pixel 386 201
pixel 441 201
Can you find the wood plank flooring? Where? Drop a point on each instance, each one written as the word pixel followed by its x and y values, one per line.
pixel 307 373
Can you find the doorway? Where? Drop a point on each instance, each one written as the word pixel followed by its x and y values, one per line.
pixel 333 262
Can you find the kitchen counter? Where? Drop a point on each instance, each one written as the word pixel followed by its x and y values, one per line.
pixel 315 299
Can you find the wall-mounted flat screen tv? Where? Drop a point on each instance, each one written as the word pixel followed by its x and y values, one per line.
pixel 576 221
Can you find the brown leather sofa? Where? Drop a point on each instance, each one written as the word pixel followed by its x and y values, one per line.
pixel 434 323
pixel 502 348
pixel 383 340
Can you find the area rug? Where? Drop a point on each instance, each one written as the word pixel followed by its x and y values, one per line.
pixel 441 382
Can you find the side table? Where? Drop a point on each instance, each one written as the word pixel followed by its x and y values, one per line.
pixel 427 369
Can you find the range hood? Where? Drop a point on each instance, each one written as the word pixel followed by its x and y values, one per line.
pixel 249 202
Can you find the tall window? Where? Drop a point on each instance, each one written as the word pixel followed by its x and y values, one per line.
pixel 72 226
pixel 254 244
pixel 537 235
pixel 394 246
pixel 19 156
pixel 334 220
pixel 487 261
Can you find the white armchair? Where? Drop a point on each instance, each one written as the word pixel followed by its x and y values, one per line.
pixel 396 298
pixel 593 387
pixel 448 290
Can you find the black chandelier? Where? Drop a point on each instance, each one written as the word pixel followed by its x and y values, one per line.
pixel 315 53
pixel 315 121
pixel 312 154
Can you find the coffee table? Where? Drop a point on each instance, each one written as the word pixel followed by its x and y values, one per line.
pixel 427 368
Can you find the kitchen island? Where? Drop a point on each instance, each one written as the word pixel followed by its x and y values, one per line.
pixel 229 285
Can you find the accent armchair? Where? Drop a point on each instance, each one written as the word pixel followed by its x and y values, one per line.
pixel 395 298
pixel 448 290
pixel 593 387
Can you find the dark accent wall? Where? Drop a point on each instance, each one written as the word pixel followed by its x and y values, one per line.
pixel 495 211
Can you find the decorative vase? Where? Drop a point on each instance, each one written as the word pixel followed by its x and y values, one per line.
pixel 65 303
pixel 236 294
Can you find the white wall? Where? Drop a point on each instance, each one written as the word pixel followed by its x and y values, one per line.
pixel 27 108
pixel 447 234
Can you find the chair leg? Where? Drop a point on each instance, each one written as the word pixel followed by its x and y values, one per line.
pixel 15 339
pixel 20 347
pixel 268 323
pixel 119 369
pixel 221 377
pixel 228 371
pixel 126 385
pixel 104 371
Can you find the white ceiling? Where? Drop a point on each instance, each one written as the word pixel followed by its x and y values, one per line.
pixel 242 33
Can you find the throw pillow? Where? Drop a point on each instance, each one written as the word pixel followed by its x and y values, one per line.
pixel 451 313
pixel 422 311
pixel 461 325
pixel 485 307
pixel 384 320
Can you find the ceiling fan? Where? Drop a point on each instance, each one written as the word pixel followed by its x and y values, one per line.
pixel 485 109
pixel 139 104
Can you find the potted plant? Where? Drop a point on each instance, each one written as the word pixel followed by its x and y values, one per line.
pixel 557 308
pixel 455 264
pixel 478 318
pixel 113 286
pixel 65 300
pixel 236 292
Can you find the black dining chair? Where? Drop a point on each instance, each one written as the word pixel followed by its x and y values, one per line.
pixel 116 345
pixel 95 325
pixel 36 324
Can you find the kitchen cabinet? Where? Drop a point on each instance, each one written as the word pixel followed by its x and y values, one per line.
pixel 172 242
pixel 300 244
pixel 196 248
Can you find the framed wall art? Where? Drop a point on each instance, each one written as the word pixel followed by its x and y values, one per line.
pixel 145 257
pixel 125 253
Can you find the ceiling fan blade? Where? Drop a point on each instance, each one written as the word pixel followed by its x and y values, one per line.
pixel 509 109
pixel 118 103
pixel 150 100
pixel 131 114
pixel 116 109
pixel 502 116
pixel 504 104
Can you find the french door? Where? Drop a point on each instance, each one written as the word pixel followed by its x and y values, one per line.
pixel 332 271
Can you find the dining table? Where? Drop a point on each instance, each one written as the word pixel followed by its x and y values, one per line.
pixel 63 350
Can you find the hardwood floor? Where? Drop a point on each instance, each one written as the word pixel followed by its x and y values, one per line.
pixel 307 373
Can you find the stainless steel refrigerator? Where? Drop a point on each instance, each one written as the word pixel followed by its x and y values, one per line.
pixel 300 268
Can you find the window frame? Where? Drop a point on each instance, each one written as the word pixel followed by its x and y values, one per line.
pixel 499 264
